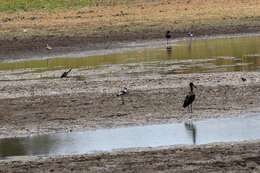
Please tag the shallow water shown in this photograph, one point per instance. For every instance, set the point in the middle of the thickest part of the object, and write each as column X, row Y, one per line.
column 242, row 128
column 220, row 54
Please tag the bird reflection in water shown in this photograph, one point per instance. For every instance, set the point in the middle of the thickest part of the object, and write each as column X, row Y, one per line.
column 190, row 35
column 191, row 128
column 189, row 46
column 169, row 51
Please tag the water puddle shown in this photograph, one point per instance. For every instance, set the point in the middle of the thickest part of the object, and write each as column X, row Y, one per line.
column 205, row 55
column 199, row 132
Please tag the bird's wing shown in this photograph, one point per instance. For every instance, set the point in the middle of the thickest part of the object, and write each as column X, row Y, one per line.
column 64, row 74
column 120, row 93
column 192, row 98
column 186, row 101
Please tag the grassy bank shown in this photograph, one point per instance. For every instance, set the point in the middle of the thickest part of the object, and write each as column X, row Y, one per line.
column 29, row 5
column 171, row 14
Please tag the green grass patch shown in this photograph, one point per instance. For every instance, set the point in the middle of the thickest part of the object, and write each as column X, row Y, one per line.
column 29, row 5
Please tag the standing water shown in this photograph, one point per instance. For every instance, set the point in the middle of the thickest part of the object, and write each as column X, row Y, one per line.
column 207, row 55
column 199, row 132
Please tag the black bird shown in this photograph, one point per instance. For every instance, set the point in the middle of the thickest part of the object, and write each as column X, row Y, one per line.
column 121, row 94
column 189, row 98
column 243, row 79
column 65, row 74
column 168, row 36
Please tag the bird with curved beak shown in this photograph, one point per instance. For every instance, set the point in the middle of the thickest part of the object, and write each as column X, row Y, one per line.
column 189, row 98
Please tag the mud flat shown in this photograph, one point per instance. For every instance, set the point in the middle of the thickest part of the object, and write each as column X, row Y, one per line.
column 40, row 102
column 236, row 157
column 36, row 103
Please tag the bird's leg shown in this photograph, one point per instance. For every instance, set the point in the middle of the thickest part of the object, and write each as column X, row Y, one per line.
column 122, row 99
column 191, row 108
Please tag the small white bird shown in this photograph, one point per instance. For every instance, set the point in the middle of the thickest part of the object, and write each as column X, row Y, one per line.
column 25, row 30
column 121, row 93
column 48, row 47
column 190, row 34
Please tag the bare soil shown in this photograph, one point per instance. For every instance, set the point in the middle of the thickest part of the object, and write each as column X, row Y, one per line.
column 237, row 157
column 25, row 34
column 32, row 105
column 37, row 103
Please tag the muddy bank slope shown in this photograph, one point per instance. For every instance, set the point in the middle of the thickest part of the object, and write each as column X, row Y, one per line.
column 25, row 34
column 242, row 157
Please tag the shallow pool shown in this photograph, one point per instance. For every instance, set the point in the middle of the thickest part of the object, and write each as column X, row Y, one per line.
column 207, row 131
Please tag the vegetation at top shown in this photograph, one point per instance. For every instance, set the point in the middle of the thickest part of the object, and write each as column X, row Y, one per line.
column 29, row 5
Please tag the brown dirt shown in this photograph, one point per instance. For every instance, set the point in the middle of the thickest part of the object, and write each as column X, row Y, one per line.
column 243, row 157
column 37, row 106
column 25, row 34
column 50, row 105
column 32, row 105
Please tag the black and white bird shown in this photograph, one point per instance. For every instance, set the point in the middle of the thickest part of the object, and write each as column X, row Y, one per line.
column 168, row 36
column 122, row 93
column 189, row 98
column 65, row 74
column 190, row 34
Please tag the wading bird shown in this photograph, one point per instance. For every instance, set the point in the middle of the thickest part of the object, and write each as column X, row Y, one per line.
column 168, row 36
column 121, row 94
column 65, row 74
column 190, row 34
column 189, row 98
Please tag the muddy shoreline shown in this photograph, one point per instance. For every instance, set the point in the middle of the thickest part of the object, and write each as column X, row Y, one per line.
column 39, row 106
column 233, row 157
column 35, row 47
column 32, row 105
column 35, row 103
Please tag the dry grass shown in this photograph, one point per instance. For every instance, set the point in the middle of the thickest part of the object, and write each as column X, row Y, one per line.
column 177, row 15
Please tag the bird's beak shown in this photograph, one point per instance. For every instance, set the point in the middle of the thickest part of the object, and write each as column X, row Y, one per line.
column 194, row 86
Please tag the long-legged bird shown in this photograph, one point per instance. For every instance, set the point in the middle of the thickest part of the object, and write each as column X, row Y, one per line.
column 65, row 74
column 189, row 98
column 168, row 36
